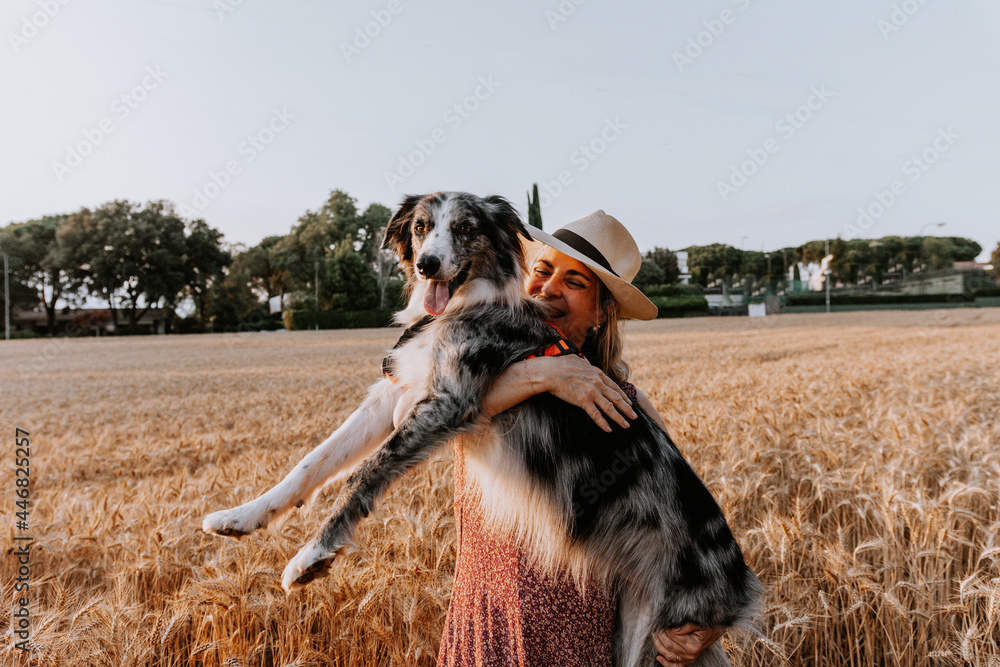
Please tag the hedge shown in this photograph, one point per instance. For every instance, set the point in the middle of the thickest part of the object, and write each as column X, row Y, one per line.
column 819, row 298
column 680, row 306
column 672, row 290
column 338, row 319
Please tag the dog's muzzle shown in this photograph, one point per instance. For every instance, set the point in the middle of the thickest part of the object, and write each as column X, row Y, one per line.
column 428, row 266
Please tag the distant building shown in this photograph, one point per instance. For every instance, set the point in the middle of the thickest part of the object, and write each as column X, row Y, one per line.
column 724, row 301
column 961, row 278
column 97, row 320
column 682, row 266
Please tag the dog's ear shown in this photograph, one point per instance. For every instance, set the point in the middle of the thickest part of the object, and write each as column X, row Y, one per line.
column 505, row 215
column 504, row 233
column 397, row 232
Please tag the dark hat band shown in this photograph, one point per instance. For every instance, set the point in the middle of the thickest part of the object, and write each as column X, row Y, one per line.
column 584, row 247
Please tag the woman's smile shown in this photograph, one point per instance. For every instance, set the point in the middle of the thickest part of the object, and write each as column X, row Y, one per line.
column 570, row 288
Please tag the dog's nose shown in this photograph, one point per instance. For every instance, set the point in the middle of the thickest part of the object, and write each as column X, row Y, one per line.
column 428, row 265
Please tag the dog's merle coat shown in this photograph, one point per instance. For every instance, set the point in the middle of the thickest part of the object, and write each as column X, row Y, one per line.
column 623, row 507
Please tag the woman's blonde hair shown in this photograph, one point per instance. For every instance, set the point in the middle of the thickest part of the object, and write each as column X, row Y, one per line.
column 606, row 347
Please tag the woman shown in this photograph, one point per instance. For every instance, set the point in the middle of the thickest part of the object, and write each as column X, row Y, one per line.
column 503, row 611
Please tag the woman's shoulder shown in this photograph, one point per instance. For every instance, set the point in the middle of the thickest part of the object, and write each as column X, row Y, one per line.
column 636, row 396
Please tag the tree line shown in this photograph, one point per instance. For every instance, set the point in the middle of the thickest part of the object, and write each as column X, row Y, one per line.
column 855, row 262
column 136, row 257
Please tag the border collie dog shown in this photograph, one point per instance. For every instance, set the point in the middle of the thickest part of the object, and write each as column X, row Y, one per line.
column 622, row 508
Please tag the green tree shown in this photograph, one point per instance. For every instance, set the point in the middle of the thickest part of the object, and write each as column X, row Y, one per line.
column 204, row 259
column 383, row 262
column 38, row 266
column 964, row 250
column 837, row 265
column 753, row 263
column 936, row 253
column 649, row 273
column 340, row 212
column 666, row 261
column 232, row 302
column 995, row 261
column 717, row 260
column 370, row 229
column 264, row 266
column 353, row 283
column 305, row 253
column 130, row 256
column 534, row 208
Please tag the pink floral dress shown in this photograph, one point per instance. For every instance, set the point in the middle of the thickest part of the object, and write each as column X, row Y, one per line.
column 505, row 613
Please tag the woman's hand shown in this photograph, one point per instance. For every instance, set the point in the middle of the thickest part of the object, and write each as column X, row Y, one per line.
column 578, row 382
column 681, row 646
column 570, row 378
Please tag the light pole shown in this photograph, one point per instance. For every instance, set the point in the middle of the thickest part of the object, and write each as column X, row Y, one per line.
column 827, row 276
column 931, row 224
column 875, row 245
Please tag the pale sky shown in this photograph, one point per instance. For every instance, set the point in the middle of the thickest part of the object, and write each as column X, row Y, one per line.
column 618, row 99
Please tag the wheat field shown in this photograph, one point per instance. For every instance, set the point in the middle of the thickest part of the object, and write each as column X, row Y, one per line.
column 857, row 457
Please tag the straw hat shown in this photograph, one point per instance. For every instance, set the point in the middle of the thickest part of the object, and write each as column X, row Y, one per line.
column 606, row 247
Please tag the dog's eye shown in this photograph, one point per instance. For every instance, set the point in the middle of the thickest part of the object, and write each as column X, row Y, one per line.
column 464, row 229
column 418, row 227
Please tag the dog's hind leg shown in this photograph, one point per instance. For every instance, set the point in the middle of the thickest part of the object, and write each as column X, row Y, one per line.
column 431, row 422
column 633, row 639
column 368, row 426
column 634, row 645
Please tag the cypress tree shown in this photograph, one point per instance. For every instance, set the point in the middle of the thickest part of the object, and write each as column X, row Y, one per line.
column 534, row 208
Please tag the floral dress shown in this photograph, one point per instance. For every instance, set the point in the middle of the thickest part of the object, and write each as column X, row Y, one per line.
column 503, row 612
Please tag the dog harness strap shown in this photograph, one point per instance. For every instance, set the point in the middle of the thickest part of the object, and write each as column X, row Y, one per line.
column 561, row 347
column 409, row 333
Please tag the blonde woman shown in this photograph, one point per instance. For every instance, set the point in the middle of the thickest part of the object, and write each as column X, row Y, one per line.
column 503, row 611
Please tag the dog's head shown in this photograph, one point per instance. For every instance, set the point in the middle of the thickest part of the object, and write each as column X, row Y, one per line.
column 450, row 239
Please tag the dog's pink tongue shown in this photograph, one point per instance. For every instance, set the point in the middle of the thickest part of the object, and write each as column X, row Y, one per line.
column 436, row 297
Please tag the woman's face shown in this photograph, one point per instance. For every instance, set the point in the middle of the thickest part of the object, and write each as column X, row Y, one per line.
column 570, row 288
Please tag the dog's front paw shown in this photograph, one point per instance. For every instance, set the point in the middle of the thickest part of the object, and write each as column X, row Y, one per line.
column 312, row 562
column 235, row 522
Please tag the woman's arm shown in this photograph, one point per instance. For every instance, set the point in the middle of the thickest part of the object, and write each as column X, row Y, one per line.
column 570, row 378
